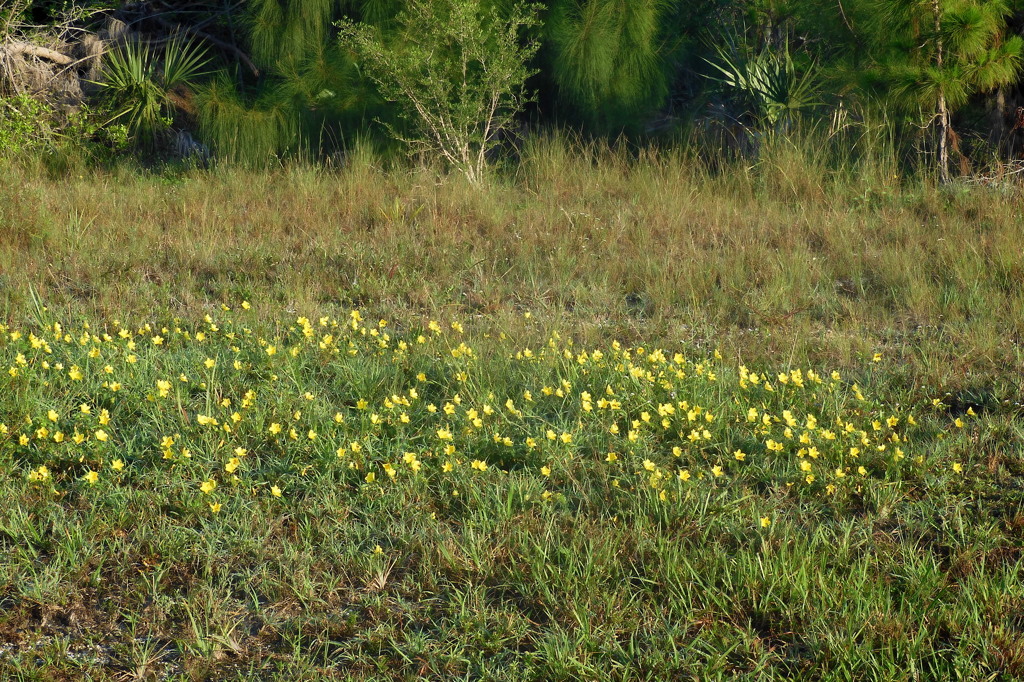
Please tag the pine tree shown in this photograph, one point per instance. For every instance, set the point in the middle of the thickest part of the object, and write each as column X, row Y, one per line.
column 609, row 60
column 931, row 56
column 307, row 89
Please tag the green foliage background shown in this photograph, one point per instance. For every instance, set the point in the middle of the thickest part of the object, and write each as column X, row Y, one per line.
column 607, row 68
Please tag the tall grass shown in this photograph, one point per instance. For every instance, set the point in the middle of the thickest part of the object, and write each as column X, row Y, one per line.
column 791, row 249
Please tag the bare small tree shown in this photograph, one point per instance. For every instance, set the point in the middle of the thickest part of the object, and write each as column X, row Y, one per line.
column 457, row 72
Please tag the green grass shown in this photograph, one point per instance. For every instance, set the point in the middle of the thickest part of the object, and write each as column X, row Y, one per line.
column 567, row 551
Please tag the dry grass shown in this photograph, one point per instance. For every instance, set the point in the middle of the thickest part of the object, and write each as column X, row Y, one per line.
column 788, row 257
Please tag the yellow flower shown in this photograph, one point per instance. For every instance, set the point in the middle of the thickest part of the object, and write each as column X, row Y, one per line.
column 684, row 475
column 52, row 416
column 117, row 465
column 91, row 477
column 275, row 428
column 275, row 491
column 765, row 522
column 611, row 457
column 371, row 477
column 545, row 470
column 958, row 468
column 479, row 465
column 739, row 455
column 101, row 435
column 40, row 474
column 717, row 471
column 208, row 486
column 215, row 507
column 210, row 363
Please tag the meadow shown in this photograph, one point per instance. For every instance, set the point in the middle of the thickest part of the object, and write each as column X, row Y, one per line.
column 611, row 416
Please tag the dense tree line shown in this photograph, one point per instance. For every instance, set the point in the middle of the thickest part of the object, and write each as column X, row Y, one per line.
column 279, row 77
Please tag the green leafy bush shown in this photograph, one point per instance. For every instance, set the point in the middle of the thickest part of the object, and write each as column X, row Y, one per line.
column 457, row 73
column 31, row 128
column 20, row 129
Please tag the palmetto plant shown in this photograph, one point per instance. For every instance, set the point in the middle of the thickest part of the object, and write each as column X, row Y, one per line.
column 138, row 82
column 768, row 82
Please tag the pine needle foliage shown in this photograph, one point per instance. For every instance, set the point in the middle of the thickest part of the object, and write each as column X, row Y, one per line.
column 308, row 93
column 608, row 58
column 978, row 54
column 931, row 56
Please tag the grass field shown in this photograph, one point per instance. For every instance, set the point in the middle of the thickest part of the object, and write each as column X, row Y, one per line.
column 606, row 418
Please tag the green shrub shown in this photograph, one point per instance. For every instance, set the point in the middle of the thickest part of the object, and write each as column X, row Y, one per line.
column 31, row 128
column 456, row 73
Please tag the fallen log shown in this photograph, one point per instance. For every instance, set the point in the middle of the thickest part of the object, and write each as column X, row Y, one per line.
column 27, row 49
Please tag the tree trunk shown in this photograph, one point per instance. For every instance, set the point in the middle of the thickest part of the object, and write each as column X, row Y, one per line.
column 943, row 111
column 943, row 140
